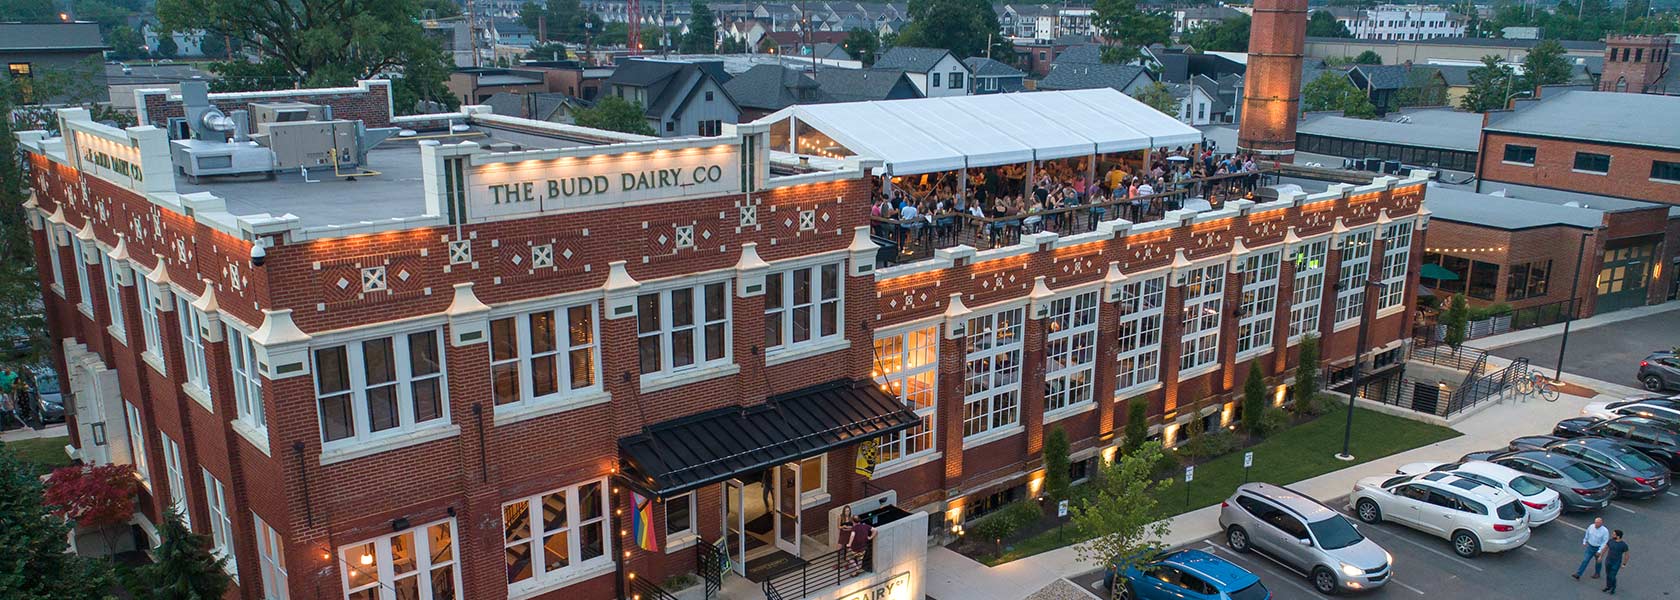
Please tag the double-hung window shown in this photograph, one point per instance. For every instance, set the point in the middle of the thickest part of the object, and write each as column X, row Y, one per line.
column 992, row 398
column 271, row 557
column 556, row 535
column 113, row 295
column 137, row 443
column 801, row 306
column 680, row 515
column 1397, row 253
column 247, row 380
column 379, row 387
column 192, row 342
column 414, row 564
column 1070, row 351
column 1259, row 302
column 542, row 356
column 84, row 290
column 148, row 294
column 683, row 328
column 907, row 366
column 1308, row 296
column 1204, row 302
column 177, row 482
column 1142, row 306
column 221, row 524
column 1356, row 271
column 58, row 267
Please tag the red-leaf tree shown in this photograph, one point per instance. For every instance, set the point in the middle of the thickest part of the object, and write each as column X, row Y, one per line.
column 93, row 497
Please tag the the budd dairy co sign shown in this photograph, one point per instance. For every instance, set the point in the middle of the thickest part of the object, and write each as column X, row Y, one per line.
column 897, row 588
column 505, row 188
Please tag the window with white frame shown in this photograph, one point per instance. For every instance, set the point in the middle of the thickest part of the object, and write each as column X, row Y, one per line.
column 271, row 557
column 1070, row 351
column 992, row 394
column 683, row 328
column 192, row 342
column 1259, row 302
column 555, row 535
column 137, row 442
column 680, row 513
column 1397, row 253
column 813, row 477
column 247, row 380
column 1307, row 299
column 221, row 523
column 53, row 254
column 85, row 291
column 1356, row 270
column 415, row 564
column 907, row 366
column 174, row 470
column 1204, row 300
column 543, row 356
column 1142, row 304
column 113, row 293
column 802, row 306
column 379, row 387
column 148, row 294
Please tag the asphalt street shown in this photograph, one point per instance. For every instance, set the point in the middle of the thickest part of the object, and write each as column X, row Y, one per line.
column 1609, row 352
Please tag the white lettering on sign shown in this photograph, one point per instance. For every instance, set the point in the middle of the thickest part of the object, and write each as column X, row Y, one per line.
column 569, row 184
column 1248, row 459
column 897, row 588
column 1189, row 473
column 111, row 160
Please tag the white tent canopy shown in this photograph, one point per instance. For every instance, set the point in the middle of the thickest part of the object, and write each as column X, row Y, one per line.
column 926, row 135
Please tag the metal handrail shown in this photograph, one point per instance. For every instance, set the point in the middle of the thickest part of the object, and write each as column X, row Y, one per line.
column 823, row 572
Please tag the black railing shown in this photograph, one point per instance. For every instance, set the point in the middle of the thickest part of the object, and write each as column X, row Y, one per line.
column 1404, row 392
column 1479, row 389
column 822, row 572
column 1542, row 315
column 642, row 589
column 1462, row 358
column 709, row 561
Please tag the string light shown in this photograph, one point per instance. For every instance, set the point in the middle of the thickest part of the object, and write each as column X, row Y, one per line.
column 1467, row 250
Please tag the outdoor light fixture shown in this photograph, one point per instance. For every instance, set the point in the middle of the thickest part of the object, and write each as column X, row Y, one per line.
column 367, row 558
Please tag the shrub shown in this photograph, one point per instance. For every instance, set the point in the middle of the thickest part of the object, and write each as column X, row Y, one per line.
column 1456, row 321
column 1306, row 373
column 1056, row 464
column 1211, row 444
column 1007, row 521
column 1137, row 424
column 1167, row 466
column 1254, row 400
column 1273, row 420
column 1490, row 311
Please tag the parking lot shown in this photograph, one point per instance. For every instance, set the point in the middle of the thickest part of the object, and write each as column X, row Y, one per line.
column 1609, row 353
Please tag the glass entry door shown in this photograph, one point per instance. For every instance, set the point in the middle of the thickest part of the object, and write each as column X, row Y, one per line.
column 735, row 525
column 788, row 526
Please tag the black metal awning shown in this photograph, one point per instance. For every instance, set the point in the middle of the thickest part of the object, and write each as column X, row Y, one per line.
column 682, row 454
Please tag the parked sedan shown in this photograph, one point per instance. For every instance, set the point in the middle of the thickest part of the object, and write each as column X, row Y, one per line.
column 1660, row 371
column 48, row 398
column 1474, row 516
column 1662, row 408
column 1579, row 486
column 1181, row 575
column 1543, row 503
column 1635, row 475
column 1657, row 439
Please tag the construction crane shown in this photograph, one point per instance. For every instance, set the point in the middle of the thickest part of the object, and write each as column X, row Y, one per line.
column 633, row 13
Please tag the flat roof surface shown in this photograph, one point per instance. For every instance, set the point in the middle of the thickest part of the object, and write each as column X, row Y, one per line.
column 329, row 200
column 1609, row 117
column 1564, row 197
column 1440, row 129
column 1504, row 212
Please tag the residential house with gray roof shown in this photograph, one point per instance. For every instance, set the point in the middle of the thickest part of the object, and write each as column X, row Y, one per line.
column 767, row 88
column 1086, row 76
column 993, row 77
column 858, row 85
column 679, row 98
column 934, row 71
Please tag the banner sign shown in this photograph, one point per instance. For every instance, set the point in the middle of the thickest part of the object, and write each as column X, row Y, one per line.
column 641, row 522
column 576, row 183
column 868, row 455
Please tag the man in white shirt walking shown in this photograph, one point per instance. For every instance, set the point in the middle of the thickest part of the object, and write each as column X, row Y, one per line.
column 1597, row 535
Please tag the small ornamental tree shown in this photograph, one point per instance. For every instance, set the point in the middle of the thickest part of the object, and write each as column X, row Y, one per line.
column 1306, row 374
column 1254, row 400
column 93, row 497
column 1137, row 425
column 1121, row 519
column 1457, row 321
column 184, row 568
column 1056, row 464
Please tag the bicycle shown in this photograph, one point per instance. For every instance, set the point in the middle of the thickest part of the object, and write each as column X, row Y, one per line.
column 1534, row 382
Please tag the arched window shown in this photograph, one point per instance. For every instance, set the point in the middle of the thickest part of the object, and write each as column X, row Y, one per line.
column 1621, row 84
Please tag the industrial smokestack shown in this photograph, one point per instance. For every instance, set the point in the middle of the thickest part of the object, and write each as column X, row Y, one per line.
column 1272, row 85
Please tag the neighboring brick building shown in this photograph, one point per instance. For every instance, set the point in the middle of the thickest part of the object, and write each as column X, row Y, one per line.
column 423, row 356
column 1598, row 143
column 1638, row 64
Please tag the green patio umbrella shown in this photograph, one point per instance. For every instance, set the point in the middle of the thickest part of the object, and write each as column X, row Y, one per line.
column 1437, row 272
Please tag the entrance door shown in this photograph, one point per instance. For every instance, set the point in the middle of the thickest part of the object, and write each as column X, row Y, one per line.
column 1624, row 277
column 735, row 525
column 788, row 526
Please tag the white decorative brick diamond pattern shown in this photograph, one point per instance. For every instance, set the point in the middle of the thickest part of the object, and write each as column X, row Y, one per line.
column 373, row 279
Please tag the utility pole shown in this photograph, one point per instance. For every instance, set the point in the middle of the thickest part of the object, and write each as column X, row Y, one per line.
column 472, row 30
column 1574, row 304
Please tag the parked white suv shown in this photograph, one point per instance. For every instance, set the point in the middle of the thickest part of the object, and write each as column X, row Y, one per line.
column 1474, row 516
column 1543, row 503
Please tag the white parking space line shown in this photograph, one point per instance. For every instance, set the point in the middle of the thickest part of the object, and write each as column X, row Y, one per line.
column 1573, row 526
column 1624, row 509
column 1530, row 548
column 1436, row 552
column 1403, row 584
column 1672, row 494
column 1288, row 576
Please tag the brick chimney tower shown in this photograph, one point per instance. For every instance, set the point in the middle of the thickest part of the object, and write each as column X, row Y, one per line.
column 1633, row 62
column 1272, row 85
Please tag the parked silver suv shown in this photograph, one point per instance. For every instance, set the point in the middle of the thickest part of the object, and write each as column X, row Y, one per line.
column 1305, row 536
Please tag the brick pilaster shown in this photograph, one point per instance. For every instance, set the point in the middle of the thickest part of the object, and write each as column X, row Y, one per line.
column 1032, row 386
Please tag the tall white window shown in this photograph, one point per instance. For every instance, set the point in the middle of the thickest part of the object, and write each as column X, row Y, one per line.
column 555, row 535
column 415, row 564
column 85, row 291
column 137, row 442
column 907, row 366
column 1356, row 270
column 1204, row 300
column 192, row 342
column 1070, row 351
column 380, row 387
column 1397, row 252
column 683, row 328
column 1308, row 296
column 271, row 556
column 992, row 398
column 543, row 356
column 247, row 380
column 221, row 523
column 113, row 294
column 148, row 294
column 177, row 479
column 1141, row 308
column 1259, row 302
column 801, row 306
column 53, row 253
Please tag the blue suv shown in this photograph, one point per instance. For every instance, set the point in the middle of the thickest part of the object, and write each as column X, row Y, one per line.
column 1184, row 575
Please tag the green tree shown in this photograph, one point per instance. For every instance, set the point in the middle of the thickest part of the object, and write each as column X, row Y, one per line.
column 439, row 9
column 1306, row 374
column 1324, row 24
column 564, row 20
column 38, row 564
column 1126, row 29
column 1490, row 86
column 1137, row 425
column 1056, row 464
column 126, row 43
column 1544, row 65
column 28, row 11
column 1332, row 91
column 732, row 45
column 702, row 30
column 213, row 46
column 862, row 44
column 20, row 289
column 1254, row 399
column 166, row 47
column 1158, row 97
column 1368, row 57
column 109, row 13
column 615, row 114
column 1230, row 35
column 182, row 569
column 550, row 51
column 1121, row 519
column 965, row 27
column 1457, row 321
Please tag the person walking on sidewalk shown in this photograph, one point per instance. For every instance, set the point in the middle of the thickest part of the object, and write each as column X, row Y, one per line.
column 1591, row 544
column 1615, row 557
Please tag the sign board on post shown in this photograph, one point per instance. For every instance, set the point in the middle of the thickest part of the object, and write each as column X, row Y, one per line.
column 1248, row 459
column 501, row 186
column 1189, row 473
column 1062, row 509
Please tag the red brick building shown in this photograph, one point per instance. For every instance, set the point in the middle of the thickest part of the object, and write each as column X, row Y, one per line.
column 459, row 373
column 1637, row 64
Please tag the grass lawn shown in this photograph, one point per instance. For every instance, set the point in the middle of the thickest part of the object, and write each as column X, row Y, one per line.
column 42, row 455
column 1301, row 452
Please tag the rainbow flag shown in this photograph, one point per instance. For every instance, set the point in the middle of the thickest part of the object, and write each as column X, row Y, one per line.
column 641, row 523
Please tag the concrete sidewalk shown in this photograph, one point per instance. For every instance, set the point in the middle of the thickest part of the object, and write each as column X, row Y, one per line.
column 1528, row 335
column 952, row 575
column 26, row 433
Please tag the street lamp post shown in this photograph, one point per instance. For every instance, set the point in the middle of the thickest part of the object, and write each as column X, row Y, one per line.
column 1574, row 287
column 1358, row 353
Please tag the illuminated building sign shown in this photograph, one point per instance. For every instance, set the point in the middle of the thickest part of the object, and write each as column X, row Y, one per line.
column 503, row 186
column 897, row 588
column 116, row 161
